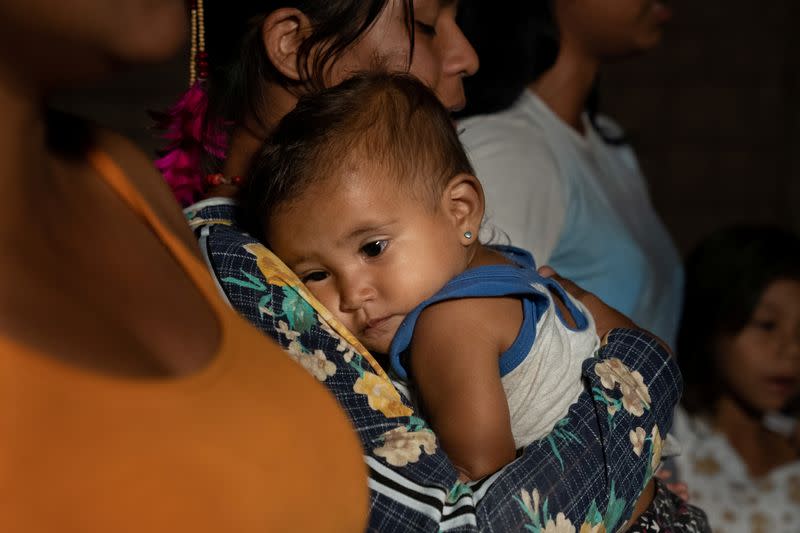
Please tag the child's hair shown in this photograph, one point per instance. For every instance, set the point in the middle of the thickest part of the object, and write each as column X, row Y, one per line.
column 387, row 124
column 725, row 278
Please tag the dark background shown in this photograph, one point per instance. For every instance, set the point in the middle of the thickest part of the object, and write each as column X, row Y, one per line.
column 713, row 113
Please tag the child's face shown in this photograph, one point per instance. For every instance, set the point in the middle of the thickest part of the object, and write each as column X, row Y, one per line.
column 761, row 363
column 368, row 252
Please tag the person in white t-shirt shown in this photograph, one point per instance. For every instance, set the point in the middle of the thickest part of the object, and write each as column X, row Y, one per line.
column 560, row 179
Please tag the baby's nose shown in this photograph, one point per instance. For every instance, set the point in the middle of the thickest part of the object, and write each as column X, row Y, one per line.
column 353, row 294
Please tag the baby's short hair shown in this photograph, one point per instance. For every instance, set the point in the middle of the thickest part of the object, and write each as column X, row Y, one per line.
column 391, row 123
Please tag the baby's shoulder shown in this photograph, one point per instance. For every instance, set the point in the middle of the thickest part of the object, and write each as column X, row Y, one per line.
column 493, row 322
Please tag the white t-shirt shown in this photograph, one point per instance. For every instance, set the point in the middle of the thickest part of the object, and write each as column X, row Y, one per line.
column 578, row 204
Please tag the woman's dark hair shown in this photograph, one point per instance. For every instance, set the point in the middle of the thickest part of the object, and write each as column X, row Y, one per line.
column 516, row 45
column 725, row 278
column 239, row 65
column 389, row 126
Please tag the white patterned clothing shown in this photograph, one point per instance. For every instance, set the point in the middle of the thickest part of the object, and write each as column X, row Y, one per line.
column 719, row 483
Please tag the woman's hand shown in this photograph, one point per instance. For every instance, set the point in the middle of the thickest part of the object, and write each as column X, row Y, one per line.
column 605, row 317
column 681, row 489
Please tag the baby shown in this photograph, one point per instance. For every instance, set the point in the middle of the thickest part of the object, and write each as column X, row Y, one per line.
column 366, row 193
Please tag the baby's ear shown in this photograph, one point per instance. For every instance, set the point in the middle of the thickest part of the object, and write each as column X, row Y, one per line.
column 282, row 33
column 463, row 201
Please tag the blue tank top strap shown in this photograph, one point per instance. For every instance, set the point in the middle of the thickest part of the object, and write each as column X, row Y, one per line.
column 485, row 281
column 518, row 255
column 524, row 258
column 491, row 281
column 581, row 322
column 520, row 349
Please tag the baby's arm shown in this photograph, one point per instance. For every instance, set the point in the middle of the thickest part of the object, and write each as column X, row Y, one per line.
column 455, row 364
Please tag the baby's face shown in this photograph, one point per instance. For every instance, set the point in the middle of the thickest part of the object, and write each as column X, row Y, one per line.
column 368, row 252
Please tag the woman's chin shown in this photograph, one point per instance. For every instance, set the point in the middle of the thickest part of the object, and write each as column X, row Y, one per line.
column 155, row 36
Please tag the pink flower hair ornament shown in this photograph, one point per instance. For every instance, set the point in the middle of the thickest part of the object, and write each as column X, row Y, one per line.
column 189, row 132
column 190, row 136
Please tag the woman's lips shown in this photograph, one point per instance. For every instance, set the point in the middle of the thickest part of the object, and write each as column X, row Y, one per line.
column 782, row 385
column 458, row 106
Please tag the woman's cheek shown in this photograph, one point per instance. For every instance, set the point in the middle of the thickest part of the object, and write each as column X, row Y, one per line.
column 425, row 65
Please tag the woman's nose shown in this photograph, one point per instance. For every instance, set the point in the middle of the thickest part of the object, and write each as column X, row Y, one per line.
column 459, row 57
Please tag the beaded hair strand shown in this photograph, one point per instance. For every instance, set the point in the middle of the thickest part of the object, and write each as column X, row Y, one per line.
column 198, row 59
column 187, row 130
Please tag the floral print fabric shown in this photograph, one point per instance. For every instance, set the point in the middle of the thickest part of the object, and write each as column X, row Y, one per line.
column 589, row 471
column 718, row 481
column 669, row 513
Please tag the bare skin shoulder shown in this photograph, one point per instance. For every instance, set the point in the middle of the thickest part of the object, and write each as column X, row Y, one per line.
column 456, row 348
column 123, row 293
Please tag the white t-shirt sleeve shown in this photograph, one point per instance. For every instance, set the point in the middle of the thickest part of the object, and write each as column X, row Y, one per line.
column 525, row 197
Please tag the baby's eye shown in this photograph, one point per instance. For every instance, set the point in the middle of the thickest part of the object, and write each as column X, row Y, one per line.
column 314, row 276
column 374, row 249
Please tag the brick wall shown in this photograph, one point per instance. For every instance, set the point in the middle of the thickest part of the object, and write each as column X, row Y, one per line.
column 714, row 115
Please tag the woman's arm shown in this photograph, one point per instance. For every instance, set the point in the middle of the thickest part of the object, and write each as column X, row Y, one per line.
column 605, row 317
